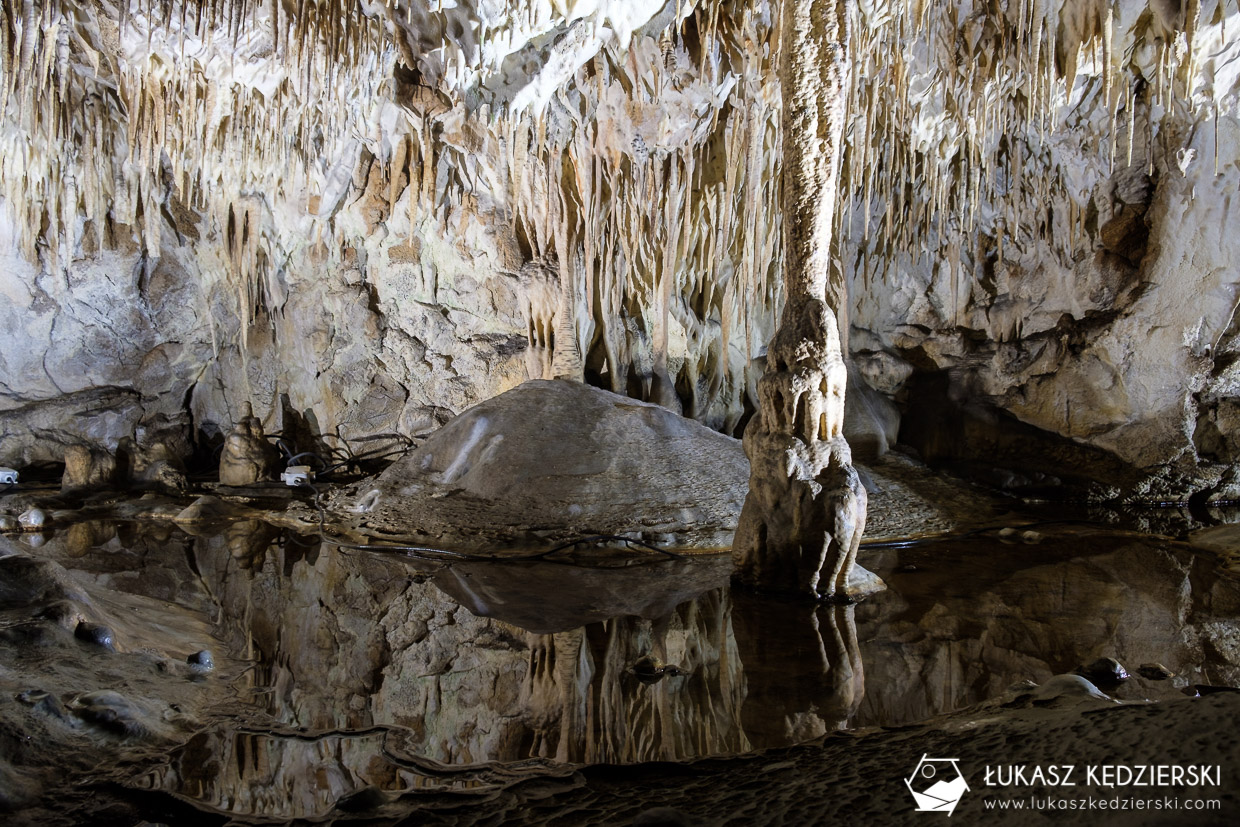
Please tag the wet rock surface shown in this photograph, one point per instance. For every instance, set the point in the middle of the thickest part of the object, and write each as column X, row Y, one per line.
column 350, row 682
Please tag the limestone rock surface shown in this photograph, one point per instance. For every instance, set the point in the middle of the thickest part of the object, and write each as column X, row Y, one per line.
column 554, row 458
column 1034, row 224
column 247, row 457
column 552, row 461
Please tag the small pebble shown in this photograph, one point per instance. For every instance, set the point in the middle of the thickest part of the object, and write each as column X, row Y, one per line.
column 7, row 523
column 649, row 669
column 1154, row 672
column 32, row 696
column 202, row 659
column 1067, row 686
column 33, row 519
column 1031, row 537
column 96, row 633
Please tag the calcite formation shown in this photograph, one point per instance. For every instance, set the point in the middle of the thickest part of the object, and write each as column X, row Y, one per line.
column 246, row 457
column 805, row 512
column 207, row 201
column 87, row 469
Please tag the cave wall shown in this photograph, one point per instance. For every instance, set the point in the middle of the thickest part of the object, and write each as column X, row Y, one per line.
column 371, row 216
column 374, row 220
column 1055, row 291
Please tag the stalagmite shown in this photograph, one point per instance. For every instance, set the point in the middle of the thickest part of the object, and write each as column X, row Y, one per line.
column 805, row 513
column 648, row 175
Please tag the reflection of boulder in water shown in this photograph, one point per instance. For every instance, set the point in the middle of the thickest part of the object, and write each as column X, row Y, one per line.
column 545, row 598
column 470, row 689
column 350, row 641
column 563, row 459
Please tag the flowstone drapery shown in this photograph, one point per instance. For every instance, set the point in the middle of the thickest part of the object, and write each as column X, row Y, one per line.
column 805, row 512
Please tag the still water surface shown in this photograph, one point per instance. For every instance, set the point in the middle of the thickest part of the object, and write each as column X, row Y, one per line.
column 346, row 678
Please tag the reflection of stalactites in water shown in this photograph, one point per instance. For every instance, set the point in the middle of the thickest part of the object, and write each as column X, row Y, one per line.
column 582, row 702
column 299, row 549
column 362, row 682
column 787, row 674
column 802, row 668
column 291, row 775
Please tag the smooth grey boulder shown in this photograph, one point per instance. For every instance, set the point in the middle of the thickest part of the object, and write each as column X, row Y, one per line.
column 560, row 459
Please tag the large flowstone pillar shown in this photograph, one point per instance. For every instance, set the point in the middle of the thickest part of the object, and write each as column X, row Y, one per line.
column 805, row 513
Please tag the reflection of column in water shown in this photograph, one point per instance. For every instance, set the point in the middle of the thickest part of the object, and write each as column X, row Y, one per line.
column 802, row 668
column 80, row 538
column 583, row 703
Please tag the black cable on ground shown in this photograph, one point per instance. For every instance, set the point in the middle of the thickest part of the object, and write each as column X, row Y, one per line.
column 612, row 538
column 359, row 458
column 292, row 460
column 279, row 440
column 372, row 437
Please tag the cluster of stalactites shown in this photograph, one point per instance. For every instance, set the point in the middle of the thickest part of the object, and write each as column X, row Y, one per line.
column 121, row 124
column 647, row 186
column 662, row 228
column 959, row 110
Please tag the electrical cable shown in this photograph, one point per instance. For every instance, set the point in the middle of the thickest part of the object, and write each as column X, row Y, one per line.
column 372, row 437
column 292, row 460
column 368, row 457
column 279, row 440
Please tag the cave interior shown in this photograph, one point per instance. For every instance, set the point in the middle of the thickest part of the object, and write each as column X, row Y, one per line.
column 646, row 412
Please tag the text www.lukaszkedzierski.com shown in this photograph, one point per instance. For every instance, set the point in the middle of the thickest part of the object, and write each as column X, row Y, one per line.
column 1166, row 803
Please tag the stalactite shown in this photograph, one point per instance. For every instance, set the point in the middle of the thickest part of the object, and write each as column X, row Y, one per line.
column 941, row 146
column 1132, row 123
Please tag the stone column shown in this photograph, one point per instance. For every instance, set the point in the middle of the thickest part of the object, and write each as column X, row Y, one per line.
column 805, row 513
